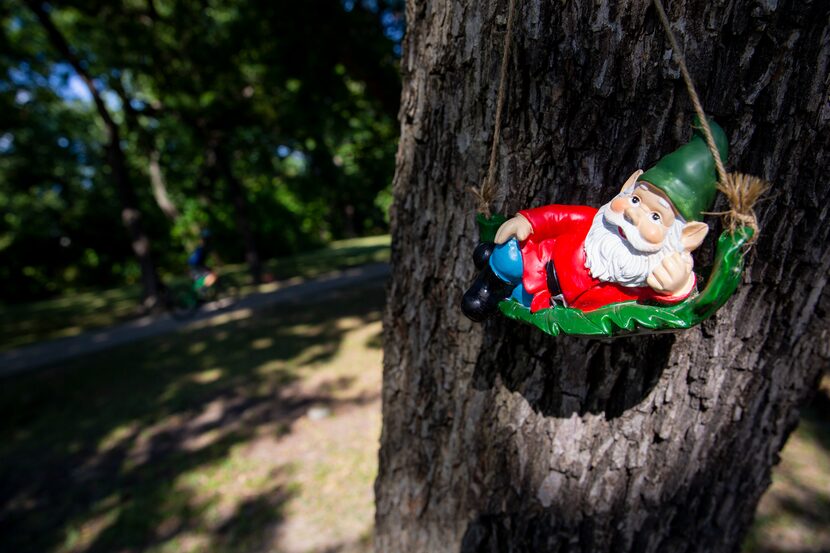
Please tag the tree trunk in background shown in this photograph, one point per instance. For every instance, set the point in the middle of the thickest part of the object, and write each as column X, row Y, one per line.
column 131, row 217
column 241, row 213
column 497, row 438
column 147, row 144
column 130, row 209
column 159, row 185
column 219, row 165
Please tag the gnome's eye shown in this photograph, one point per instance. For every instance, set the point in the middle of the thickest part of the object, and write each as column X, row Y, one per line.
column 655, row 217
column 635, row 200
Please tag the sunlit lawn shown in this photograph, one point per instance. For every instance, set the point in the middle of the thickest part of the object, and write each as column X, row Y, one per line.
column 74, row 313
column 794, row 514
column 255, row 435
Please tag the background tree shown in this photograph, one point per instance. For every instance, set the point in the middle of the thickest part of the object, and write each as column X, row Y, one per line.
column 233, row 117
column 60, row 221
column 131, row 213
column 499, row 438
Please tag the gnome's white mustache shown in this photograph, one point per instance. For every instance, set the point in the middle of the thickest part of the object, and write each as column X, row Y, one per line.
column 632, row 238
column 612, row 258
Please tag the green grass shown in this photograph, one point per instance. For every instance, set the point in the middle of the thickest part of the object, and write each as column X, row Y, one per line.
column 200, row 440
column 794, row 514
column 338, row 255
column 72, row 314
column 69, row 315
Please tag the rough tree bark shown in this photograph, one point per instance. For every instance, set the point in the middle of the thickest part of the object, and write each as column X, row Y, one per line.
column 497, row 438
column 130, row 209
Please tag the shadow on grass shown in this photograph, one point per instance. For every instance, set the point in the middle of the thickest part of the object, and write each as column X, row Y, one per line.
column 359, row 546
column 376, row 341
column 815, row 421
column 243, row 530
column 74, row 313
column 25, row 324
column 797, row 517
column 95, row 455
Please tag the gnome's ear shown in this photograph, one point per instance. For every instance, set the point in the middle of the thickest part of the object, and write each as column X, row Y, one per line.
column 631, row 180
column 693, row 234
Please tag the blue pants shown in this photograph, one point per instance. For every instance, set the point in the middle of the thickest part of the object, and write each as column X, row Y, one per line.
column 506, row 261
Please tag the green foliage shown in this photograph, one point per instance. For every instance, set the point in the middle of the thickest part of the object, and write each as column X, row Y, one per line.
column 296, row 101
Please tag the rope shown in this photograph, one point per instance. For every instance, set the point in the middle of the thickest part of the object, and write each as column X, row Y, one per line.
column 486, row 192
column 742, row 191
column 690, row 88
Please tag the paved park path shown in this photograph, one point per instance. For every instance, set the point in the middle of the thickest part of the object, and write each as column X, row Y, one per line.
column 61, row 349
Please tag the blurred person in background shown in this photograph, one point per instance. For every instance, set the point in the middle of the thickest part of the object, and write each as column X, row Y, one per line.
column 197, row 262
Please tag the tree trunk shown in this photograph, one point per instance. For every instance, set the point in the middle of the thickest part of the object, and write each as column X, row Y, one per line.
column 130, row 210
column 243, row 221
column 147, row 145
column 218, row 159
column 497, row 438
column 131, row 217
column 159, row 185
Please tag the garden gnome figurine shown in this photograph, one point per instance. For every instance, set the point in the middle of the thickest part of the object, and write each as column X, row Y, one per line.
column 637, row 247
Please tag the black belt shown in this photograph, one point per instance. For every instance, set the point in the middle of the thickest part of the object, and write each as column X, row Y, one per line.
column 553, row 281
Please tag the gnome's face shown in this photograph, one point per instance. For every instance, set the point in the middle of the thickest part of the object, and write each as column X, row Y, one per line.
column 643, row 215
column 632, row 233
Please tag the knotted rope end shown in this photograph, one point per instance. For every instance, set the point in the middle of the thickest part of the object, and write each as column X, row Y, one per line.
column 742, row 192
column 481, row 194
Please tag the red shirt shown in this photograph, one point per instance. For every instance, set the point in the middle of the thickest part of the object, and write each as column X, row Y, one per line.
column 559, row 233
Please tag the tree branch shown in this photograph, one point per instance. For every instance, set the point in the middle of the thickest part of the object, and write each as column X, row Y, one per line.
column 60, row 44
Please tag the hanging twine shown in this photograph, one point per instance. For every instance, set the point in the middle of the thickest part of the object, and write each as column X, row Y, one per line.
column 741, row 191
column 487, row 190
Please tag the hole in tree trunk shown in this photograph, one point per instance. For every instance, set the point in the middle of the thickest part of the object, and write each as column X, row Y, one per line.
column 562, row 376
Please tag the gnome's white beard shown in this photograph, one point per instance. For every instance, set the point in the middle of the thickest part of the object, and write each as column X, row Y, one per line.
column 629, row 262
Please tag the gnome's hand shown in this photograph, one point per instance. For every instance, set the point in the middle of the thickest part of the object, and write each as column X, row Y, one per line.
column 518, row 226
column 673, row 276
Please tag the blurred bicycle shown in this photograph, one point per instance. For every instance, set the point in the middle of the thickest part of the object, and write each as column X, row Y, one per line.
column 185, row 299
column 205, row 286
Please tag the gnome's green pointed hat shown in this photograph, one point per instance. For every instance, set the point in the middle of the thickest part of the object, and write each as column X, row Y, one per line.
column 687, row 175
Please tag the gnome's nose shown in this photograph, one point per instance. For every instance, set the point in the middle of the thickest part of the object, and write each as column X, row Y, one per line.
column 629, row 217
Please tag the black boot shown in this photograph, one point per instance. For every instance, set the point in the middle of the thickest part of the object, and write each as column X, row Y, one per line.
column 483, row 297
column 482, row 254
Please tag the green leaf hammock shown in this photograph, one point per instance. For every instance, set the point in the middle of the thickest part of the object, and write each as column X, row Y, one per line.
column 631, row 318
